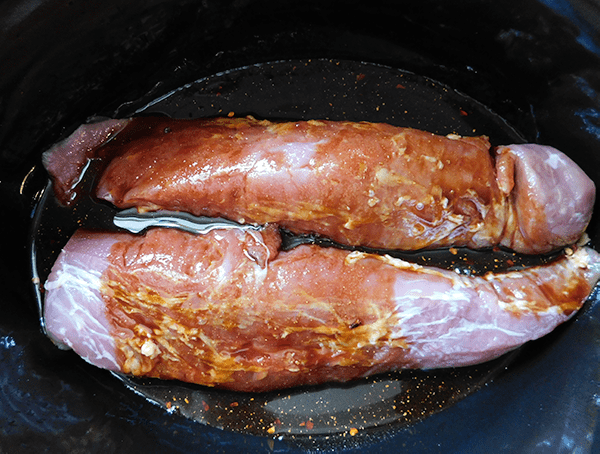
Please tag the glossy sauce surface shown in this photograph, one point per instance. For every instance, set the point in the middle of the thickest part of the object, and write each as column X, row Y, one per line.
column 356, row 183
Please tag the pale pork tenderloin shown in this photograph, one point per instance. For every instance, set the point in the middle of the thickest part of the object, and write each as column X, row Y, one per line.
column 229, row 309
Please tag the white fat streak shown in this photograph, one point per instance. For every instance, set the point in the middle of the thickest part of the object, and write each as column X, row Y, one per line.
column 260, row 273
column 457, row 332
column 73, row 280
column 448, row 333
column 74, row 277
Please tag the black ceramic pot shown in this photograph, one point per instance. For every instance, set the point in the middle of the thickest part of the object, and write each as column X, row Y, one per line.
column 516, row 70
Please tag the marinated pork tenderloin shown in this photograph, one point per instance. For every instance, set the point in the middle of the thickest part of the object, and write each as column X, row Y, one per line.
column 67, row 160
column 228, row 309
column 364, row 184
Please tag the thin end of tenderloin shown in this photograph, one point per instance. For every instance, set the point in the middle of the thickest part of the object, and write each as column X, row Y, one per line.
column 551, row 196
column 66, row 160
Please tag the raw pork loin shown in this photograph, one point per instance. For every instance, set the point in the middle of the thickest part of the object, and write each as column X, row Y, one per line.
column 229, row 309
column 364, row 184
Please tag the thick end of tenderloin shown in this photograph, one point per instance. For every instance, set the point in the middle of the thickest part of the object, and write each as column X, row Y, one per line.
column 74, row 310
column 66, row 160
column 551, row 197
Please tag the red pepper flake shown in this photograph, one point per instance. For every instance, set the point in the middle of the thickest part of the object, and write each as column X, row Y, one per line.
column 206, row 406
column 510, row 262
column 463, row 113
column 360, row 76
column 169, row 405
column 231, row 114
column 400, row 86
column 233, row 404
column 309, row 425
column 453, row 251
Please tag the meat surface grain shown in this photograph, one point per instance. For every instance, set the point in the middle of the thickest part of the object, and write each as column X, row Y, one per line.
column 360, row 184
column 229, row 309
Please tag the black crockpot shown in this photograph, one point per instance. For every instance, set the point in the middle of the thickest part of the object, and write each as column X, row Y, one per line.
column 533, row 66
